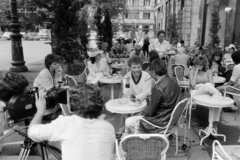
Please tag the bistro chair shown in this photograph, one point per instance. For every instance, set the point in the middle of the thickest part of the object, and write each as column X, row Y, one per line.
column 145, row 66
column 235, row 93
column 85, row 62
column 71, row 81
column 142, row 147
column 86, row 71
column 172, row 126
column 182, row 82
column 225, row 152
column 175, row 65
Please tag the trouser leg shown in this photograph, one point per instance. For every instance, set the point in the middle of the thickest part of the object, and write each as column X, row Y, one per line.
column 130, row 124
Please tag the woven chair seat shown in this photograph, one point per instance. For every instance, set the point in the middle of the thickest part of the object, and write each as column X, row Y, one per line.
column 140, row 149
column 233, row 151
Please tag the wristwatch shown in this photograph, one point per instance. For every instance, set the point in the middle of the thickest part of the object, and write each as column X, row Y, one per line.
column 127, row 85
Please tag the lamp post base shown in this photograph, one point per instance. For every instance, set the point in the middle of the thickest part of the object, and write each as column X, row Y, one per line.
column 18, row 68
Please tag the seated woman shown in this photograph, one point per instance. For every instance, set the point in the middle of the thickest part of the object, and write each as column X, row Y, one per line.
column 227, row 58
column 51, row 75
column 97, row 66
column 201, row 80
column 215, row 64
column 235, row 78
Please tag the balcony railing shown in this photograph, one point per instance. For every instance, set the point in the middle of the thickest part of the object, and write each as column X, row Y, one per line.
column 141, row 7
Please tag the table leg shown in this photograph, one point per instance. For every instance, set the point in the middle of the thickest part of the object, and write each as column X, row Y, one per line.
column 112, row 92
column 209, row 130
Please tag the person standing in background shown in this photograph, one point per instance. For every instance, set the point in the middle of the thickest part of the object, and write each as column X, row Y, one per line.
column 146, row 43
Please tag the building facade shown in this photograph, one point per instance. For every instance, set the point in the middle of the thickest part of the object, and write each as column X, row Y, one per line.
column 140, row 16
column 188, row 17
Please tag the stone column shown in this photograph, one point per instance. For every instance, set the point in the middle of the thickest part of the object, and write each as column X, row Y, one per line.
column 18, row 63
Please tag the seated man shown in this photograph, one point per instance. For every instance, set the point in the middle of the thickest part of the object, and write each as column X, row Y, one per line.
column 84, row 135
column 137, row 52
column 137, row 83
column 165, row 95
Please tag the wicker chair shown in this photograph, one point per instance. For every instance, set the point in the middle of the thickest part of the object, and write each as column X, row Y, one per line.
column 71, row 81
column 85, row 62
column 176, row 65
column 143, row 147
column 182, row 82
column 172, row 126
column 227, row 152
column 86, row 71
column 235, row 93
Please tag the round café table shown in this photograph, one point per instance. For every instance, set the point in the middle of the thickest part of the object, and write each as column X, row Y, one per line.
column 212, row 102
column 111, row 80
column 219, row 79
column 117, row 106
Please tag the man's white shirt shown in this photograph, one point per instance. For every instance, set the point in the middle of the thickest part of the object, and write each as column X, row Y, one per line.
column 160, row 47
column 80, row 138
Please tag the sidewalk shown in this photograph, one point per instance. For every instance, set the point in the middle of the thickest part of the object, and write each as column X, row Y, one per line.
column 194, row 152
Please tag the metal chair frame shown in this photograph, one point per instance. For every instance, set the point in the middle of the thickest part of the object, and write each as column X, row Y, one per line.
column 215, row 155
column 169, row 130
column 144, row 137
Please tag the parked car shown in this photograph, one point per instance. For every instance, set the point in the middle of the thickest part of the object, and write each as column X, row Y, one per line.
column 44, row 34
column 6, row 35
column 33, row 36
column 23, row 34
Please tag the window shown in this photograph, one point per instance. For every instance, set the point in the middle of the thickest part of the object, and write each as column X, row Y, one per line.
column 136, row 15
column 146, row 15
column 146, row 3
column 135, row 2
column 126, row 15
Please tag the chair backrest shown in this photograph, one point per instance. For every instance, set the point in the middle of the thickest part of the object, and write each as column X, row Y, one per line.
column 145, row 66
column 86, row 71
column 153, row 82
column 71, row 81
column 144, row 146
column 216, row 155
column 179, row 73
column 177, row 113
column 176, row 65
column 85, row 62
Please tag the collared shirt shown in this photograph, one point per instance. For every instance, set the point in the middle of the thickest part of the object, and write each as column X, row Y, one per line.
column 160, row 47
column 80, row 138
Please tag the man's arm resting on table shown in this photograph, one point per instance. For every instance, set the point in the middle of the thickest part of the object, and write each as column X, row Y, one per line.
column 156, row 99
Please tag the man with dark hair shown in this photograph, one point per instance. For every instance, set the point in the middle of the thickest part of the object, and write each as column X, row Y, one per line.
column 84, row 135
column 137, row 83
column 164, row 97
column 160, row 44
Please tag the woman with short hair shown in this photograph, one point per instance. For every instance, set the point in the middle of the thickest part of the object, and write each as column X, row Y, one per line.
column 51, row 75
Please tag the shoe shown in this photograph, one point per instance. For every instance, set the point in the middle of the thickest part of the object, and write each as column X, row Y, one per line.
column 234, row 107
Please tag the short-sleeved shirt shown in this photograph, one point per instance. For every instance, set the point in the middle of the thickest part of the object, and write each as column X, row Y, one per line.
column 80, row 138
column 236, row 76
column 160, row 47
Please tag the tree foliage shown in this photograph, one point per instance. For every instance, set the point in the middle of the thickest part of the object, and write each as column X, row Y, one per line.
column 107, row 12
column 172, row 27
column 214, row 28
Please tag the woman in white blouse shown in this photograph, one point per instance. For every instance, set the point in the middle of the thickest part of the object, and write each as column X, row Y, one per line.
column 97, row 66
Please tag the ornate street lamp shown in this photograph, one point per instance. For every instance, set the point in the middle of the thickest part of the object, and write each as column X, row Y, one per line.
column 18, row 63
